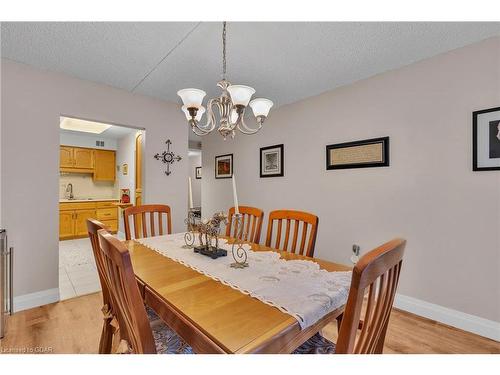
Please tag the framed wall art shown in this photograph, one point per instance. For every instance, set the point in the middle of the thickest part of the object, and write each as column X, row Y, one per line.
column 486, row 140
column 359, row 154
column 197, row 173
column 272, row 161
column 224, row 166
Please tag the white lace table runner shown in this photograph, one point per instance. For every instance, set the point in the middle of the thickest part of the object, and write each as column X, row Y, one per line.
column 296, row 287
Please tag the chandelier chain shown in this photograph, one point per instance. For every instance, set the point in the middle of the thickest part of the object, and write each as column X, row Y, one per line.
column 224, row 50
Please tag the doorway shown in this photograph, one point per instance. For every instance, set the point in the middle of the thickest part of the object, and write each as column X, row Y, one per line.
column 101, row 172
column 195, row 174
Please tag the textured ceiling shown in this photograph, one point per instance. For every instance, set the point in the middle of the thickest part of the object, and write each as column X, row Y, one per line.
column 285, row 62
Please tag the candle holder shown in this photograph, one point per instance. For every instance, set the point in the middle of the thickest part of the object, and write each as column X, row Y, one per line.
column 192, row 227
column 238, row 252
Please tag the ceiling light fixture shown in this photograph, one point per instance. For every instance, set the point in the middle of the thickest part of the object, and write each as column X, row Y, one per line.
column 78, row 125
column 231, row 105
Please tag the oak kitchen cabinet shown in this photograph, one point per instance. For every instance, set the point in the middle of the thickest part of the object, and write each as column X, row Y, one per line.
column 100, row 163
column 73, row 217
column 76, row 159
column 66, row 224
column 104, row 167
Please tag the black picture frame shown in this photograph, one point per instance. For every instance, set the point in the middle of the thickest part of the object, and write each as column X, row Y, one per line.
column 197, row 173
column 475, row 148
column 385, row 154
column 226, row 156
column 280, row 173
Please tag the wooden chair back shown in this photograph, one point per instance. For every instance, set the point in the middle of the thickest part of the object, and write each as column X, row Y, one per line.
column 302, row 241
column 252, row 224
column 93, row 226
column 375, row 275
column 135, row 332
column 143, row 225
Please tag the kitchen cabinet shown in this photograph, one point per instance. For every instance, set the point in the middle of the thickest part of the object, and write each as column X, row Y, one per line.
column 73, row 217
column 104, row 167
column 100, row 163
column 76, row 159
column 66, row 157
column 66, row 225
column 83, row 158
column 111, row 224
column 81, row 217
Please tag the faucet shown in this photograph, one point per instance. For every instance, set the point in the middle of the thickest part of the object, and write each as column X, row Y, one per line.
column 69, row 189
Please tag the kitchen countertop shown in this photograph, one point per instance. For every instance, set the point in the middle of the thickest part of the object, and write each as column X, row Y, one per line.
column 87, row 200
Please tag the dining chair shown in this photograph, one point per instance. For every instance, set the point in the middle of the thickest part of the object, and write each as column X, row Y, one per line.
column 144, row 227
column 93, row 226
column 307, row 221
column 136, row 333
column 108, row 329
column 376, row 275
column 252, row 224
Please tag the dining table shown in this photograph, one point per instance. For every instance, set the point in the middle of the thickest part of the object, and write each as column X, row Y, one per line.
column 216, row 318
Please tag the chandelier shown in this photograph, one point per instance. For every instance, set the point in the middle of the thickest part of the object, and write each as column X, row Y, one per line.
column 231, row 105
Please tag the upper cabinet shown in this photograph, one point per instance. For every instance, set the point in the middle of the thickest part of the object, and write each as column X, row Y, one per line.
column 83, row 158
column 66, row 157
column 100, row 163
column 104, row 167
column 76, row 159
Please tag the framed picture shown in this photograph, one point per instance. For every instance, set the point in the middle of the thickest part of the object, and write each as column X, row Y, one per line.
column 486, row 140
column 359, row 154
column 271, row 161
column 198, row 173
column 224, row 166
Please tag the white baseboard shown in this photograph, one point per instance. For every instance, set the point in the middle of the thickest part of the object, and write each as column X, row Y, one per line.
column 471, row 323
column 43, row 297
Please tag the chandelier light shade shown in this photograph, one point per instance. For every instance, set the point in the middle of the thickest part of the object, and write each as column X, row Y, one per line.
column 240, row 94
column 231, row 105
column 192, row 97
column 261, row 107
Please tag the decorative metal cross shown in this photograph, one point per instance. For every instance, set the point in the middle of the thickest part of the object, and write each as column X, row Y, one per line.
column 168, row 157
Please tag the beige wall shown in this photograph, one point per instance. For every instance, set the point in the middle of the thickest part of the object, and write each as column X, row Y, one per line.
column 32, row 101
column 429, row 195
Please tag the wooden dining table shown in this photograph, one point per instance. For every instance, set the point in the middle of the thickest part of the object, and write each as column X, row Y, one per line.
column 215, row 318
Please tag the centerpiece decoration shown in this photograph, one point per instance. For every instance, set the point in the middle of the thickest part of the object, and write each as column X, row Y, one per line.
column 208, row 232
column 208, row 236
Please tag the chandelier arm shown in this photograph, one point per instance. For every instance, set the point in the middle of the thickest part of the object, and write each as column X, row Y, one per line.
column 210, row 124
column 242, row 127
column 198, row 132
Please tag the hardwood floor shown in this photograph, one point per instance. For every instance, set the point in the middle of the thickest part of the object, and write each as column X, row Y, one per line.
column 74, row 326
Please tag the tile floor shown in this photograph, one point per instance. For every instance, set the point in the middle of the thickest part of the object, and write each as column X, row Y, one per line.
column 77, row 269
